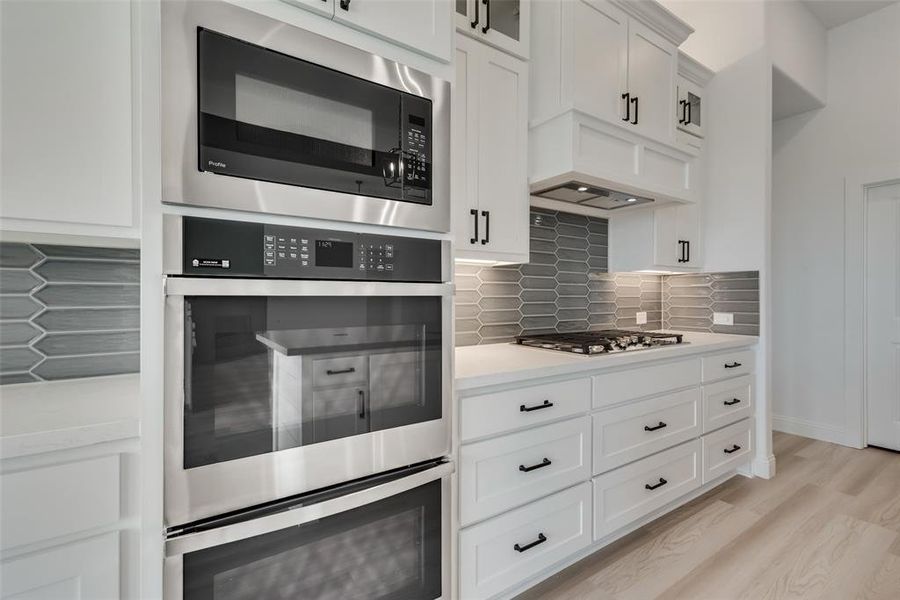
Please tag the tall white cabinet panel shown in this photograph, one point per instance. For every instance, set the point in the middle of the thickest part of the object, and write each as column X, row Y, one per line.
column 66, row 160
column 599, row 70
column 422, row 25
column 651, row 81
column 490, row 193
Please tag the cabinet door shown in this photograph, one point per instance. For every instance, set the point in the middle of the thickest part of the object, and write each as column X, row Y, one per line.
column 425, row 26
column 652, row 64
column 689, row 109
column 667, row 250
column 83, row 569
column 505, row 24
column 600, row 58
column 502, row 155
column 322, row 7
column 464, row 149
column 688, row 226
column 66, row 151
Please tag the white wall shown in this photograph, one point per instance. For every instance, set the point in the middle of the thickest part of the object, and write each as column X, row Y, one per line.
column 859, row 128
column 797, row 44
column 725, row 30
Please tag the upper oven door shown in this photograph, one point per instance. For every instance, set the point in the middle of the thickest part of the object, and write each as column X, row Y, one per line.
column 278, row 387
column 273, row 117
column 261, row 116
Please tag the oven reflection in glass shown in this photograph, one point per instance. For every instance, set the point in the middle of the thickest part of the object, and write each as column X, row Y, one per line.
column 271, row 373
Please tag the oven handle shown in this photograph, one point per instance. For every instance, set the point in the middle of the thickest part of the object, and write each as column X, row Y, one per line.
column 193, row 542
column 210, row 286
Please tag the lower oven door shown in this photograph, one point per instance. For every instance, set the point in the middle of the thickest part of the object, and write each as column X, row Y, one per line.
column 390, row 540
column 276, row 388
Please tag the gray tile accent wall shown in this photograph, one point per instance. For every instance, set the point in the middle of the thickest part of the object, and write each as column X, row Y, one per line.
column 565, row 287
column 689, row 301
column 68, row 311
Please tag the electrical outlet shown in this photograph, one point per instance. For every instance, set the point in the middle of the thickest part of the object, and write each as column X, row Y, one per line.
column 641, row 318
column 723, row 318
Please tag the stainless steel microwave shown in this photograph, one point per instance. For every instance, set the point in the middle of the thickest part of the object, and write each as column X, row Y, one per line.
column 261, row 116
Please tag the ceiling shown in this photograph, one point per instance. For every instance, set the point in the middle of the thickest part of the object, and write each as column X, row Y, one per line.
column 837, row 12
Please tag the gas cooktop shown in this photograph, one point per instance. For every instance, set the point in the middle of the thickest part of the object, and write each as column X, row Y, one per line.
column 600, row 342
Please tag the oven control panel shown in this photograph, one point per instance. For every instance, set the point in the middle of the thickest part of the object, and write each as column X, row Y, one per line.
column 234, row 249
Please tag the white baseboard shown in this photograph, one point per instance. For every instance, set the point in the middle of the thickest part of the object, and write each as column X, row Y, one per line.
column 763, row 466
column 817, row 431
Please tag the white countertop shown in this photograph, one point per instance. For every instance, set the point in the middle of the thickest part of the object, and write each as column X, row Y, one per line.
column 497, row 364
column 56, row 415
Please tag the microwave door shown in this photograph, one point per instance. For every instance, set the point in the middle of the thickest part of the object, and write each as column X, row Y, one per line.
column 269, row 116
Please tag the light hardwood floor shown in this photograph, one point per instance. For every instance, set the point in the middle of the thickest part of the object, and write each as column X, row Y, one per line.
column 826, row 527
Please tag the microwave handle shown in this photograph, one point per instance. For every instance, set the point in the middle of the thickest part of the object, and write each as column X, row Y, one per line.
column 193, row 542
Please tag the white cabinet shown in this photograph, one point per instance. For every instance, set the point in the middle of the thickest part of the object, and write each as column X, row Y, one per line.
column 489, row 154
column 666, row 238
column 505, row 24
column 425, row 26
column 651, row 82
column 68, row 154
column 727, row 449
column 692, row 78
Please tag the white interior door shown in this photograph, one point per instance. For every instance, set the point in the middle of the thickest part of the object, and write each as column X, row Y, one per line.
column 883, row 315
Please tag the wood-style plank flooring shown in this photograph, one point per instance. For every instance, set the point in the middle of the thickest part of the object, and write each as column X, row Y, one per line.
column 826, row 527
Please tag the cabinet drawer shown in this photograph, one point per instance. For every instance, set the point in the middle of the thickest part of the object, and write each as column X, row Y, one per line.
column 727, row 449
column 340, row 371
column 498, row 474
column 728, row 364
column 618, row 386
column 726, row 402
column 504, row 551
column 48, row 502
column 509, row 410
column 627, row 433
column 633, row 491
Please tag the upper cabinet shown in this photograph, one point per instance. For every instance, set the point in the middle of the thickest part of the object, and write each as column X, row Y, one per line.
column 651, row 82
column 69, row 156
column 505, row 24
column 489, row 157
column 692, row 78
column 424, row 26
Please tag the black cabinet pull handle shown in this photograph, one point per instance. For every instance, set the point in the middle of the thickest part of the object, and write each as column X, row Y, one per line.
column 487, row 227
column 361, row 402
column 655, row 427
column 636, row 109
column 734, row 448
column 733, row 365
column 661, row 483
column 487, row 16
column 687, row 244
column 474, row 213
column 731, row 402
column 681, row 246
column 345, row 4
column 683, row 104
column 690, row 115
column 544, row 463
column 541, row 539
column 546, row 404
column 627, row 98
column 474, row 23
column 340, row 371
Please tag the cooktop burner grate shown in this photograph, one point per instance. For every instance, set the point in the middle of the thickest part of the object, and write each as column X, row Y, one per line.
column 600, row 342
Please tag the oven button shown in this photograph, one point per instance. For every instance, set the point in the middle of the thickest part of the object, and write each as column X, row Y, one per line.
column 294, row 255
column 281, row 255
column 381, row 267
column 270, row 238
column 304, row 256
column 270, row 254
column 389, row 267
column 304, row 262
column 270, row 261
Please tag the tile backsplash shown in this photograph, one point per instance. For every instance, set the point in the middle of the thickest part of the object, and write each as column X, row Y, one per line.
column 68, row 311
column 566, row 287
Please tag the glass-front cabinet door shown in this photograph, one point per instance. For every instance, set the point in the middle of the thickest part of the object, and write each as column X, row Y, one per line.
column 501, row 23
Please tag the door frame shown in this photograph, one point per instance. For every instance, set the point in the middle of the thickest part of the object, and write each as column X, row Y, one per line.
column 856, row 185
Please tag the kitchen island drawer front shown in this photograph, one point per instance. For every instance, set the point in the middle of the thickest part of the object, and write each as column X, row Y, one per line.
column 633, row 431
column 490, row 414
column 340, row 371
column 504, row 551
column 726, row 402
column 59, row 500
column 508, row 471
column 728, row 364
column 727, row 449
column 619, row 386
column 633, row 491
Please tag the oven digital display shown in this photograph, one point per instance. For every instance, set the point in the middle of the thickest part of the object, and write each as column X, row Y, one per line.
column 334, row 254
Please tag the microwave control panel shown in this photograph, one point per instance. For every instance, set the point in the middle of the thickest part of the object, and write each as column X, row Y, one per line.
column 416, row 143
column 236, row 249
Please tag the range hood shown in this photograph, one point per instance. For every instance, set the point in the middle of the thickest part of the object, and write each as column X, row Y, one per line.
column 584, row 194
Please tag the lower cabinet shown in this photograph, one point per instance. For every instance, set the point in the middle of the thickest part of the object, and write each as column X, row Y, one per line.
column 727, row 449
column 499, row 553
column 627, row 494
